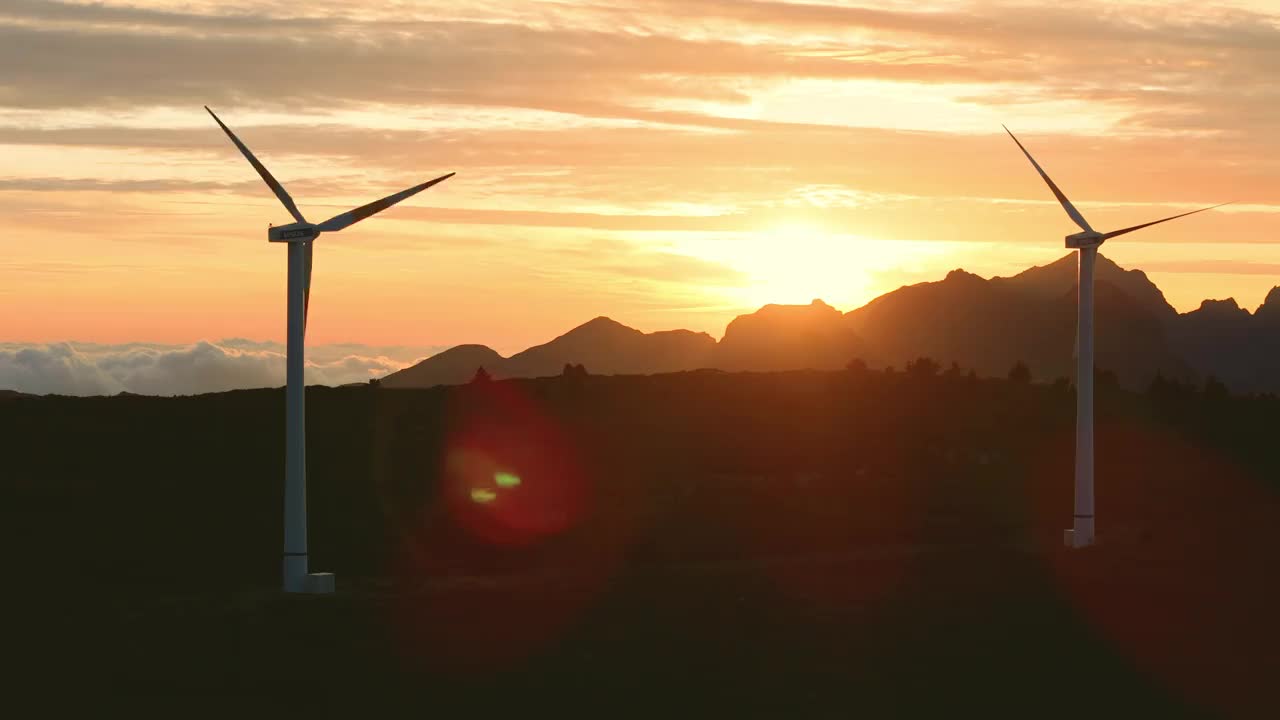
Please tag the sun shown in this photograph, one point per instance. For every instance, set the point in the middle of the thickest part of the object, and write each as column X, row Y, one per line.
column 794, row 263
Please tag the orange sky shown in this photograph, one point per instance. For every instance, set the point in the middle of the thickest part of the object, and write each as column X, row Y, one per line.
column 669, row 163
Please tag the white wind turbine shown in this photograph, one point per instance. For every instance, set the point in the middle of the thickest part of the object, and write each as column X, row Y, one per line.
column 1087, row 242
column 299, row 236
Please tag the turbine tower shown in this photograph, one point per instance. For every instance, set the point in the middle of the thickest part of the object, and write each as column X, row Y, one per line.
column 1082, row 532
column 299, row 236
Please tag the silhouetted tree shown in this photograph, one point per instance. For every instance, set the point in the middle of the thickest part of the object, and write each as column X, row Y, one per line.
column 856, row 365
column 481, row 376
column 573, row 372
column 923, row 367
column 1159, row 385
column 954, row 371
column 1020, row 373
column 1214, row 389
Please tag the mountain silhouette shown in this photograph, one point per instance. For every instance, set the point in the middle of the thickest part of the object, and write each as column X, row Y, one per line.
column 1240, row 348
column 1268, row 313
column 962, row 318
column 602, row 345
column 608, row 347
column 989, row 325
column 1060, row 277
column 986, row 325
column 451, row 367
column 786, row 337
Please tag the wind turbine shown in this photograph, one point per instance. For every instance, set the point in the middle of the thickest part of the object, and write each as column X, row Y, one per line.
column 299, row 236
column 1082, row 532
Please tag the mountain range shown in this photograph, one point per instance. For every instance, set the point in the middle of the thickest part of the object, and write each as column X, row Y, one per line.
column 984, row 325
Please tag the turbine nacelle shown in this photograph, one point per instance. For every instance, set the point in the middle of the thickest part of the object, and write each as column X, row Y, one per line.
column 1087, row 239
column 293, row 232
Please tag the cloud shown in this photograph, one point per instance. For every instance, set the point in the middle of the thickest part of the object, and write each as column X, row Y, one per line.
column 1176, row 69
column 1212, row 267
column 148, row 369
column 61, row 185
column 413, row 62
column 626, row 260
column 1158, row 73
column 55, row 368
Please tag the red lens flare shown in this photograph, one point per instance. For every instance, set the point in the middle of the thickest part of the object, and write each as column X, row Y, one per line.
column 511, row 477
column 1181, row 582
column 504, row 546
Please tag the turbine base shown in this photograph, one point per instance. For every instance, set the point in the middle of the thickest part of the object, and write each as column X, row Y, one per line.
column 311, row 584
column 297, row 579
column 321, row 583
column 1076, row 538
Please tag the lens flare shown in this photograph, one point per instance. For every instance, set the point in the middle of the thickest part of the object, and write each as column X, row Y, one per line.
column 1173, row 585
column 499, row 524
column 482, row 495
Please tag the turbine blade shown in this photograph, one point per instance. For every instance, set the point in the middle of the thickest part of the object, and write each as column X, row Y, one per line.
column 275, row 186
column 306, row 288
column 1114, row 233
column 1066, row 204
column 351, row 217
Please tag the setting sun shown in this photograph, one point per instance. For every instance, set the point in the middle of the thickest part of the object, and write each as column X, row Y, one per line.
column 794, row 263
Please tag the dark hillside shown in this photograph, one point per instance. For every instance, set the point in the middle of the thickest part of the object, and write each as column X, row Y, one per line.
column 814, row 540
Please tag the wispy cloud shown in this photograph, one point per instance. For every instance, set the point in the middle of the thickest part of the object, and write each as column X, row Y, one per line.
column 1214, row 267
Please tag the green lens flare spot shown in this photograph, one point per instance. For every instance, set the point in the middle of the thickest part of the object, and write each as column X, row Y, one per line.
column 506, row 479
column 483, row 495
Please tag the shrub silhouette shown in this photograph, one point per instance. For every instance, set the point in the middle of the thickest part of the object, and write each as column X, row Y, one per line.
column 1214, row 389
column 923, row 367
column 1020, row 373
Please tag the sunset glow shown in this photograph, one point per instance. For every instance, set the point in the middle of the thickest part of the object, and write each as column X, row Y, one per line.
column 668, row 164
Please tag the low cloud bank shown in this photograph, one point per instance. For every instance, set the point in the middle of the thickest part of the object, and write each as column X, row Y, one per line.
column 70, row 368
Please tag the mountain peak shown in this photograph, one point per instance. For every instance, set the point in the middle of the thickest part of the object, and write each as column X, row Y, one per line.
column 1269, row 310
column 1219, row 306
column 1272, row 299
column 450, row 367
column 1061, row 276
column 816, row 308
column 960, row 275
column 781, row 337
column 601, row 326
column 608, row 347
